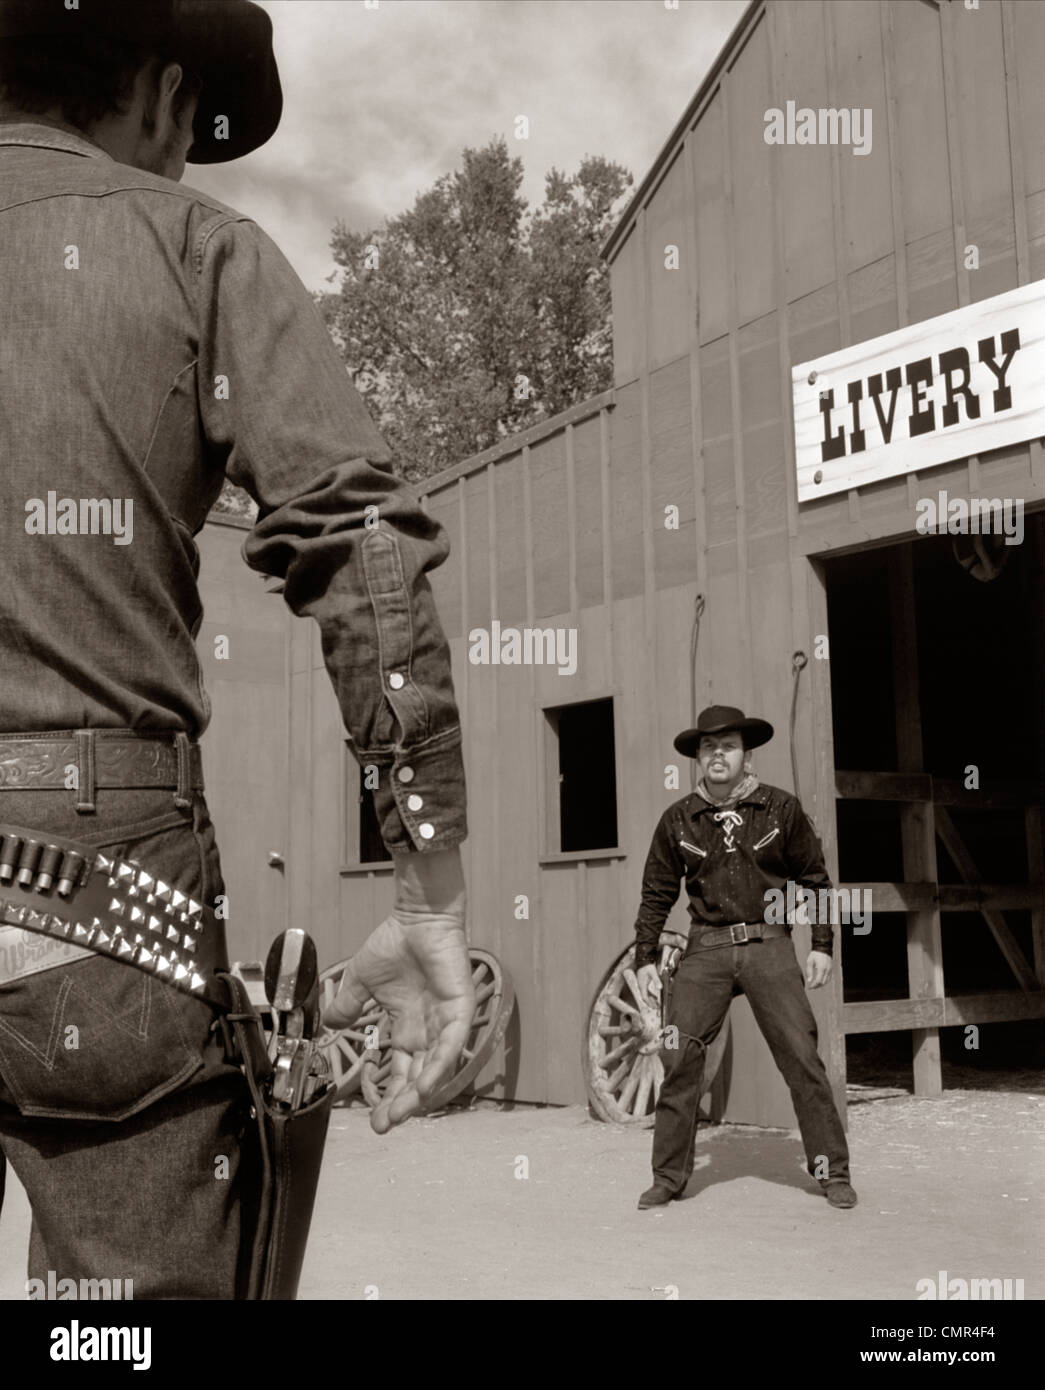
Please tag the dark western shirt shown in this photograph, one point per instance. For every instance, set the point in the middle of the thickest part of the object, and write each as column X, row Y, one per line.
column 729, row 860
column 153, row 341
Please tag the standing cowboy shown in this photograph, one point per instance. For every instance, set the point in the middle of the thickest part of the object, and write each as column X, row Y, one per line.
column 733, row 841
column 154, row 341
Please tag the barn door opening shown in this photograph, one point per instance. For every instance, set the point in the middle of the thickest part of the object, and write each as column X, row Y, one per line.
column 938, row 706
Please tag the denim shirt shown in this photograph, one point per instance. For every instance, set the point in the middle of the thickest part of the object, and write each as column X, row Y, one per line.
column 729, row 862
column 153, row 341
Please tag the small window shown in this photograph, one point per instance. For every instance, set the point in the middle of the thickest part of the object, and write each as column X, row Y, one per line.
column 363, row 831
column 583, row 764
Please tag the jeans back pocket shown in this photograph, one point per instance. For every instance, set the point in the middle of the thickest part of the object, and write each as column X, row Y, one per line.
column 97, row 1039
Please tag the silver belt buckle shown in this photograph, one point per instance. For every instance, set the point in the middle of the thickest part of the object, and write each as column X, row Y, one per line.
column 738, row 940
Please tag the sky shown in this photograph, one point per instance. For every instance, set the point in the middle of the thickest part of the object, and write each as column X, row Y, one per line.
column 380, row 102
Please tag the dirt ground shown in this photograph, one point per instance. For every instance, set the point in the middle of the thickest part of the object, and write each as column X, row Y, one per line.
column 436, row 1209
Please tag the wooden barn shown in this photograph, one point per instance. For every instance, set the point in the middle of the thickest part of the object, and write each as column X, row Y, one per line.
column 721, row 527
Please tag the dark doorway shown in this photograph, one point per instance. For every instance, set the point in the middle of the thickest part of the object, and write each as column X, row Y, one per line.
column 981, row 702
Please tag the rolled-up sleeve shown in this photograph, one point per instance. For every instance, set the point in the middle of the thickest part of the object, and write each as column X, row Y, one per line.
column 347, row 537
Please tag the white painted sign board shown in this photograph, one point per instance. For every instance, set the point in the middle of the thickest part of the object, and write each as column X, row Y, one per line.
column 945, row 388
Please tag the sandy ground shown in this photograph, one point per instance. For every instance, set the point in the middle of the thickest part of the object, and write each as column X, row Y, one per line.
column 436, row 1209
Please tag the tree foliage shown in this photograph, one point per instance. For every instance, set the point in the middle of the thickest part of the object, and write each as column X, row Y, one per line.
column 467, row 318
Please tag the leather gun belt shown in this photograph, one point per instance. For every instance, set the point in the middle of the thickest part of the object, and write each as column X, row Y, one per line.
column 68, row 891
column 738, row 934
column 101, row 758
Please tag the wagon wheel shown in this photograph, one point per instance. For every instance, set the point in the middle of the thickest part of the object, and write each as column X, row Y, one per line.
column 622, row 1062
column 494, row 1000
column 346, row 1048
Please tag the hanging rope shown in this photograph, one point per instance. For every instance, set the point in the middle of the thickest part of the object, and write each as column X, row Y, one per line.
column 799, row 661
column 698, row 613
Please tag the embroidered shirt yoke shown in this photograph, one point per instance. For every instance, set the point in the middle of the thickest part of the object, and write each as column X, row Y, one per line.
column 729, row 858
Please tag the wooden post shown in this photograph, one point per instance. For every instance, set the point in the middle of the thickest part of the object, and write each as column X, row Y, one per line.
column 821, row 805
column 917, row 823
column 1036, row 871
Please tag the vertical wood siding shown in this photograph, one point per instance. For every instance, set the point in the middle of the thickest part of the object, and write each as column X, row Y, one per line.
column 786, row 252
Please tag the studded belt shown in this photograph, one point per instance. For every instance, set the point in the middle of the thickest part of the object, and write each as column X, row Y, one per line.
column 85, row 759
column 68, row 891
column 738, row 934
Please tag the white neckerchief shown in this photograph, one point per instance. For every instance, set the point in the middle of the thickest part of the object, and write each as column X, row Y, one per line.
column 725, row 815
column 744, row 787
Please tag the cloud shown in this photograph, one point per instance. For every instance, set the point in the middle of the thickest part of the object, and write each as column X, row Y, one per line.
column 378, row 104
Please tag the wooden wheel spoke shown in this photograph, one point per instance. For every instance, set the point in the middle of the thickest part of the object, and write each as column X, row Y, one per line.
column 642, row 1093
column 612, row 1082
column 629, row 1045
column 628, row 1090
column 623, row 1068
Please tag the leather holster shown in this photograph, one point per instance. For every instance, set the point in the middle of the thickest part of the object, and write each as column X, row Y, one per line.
column 291, row 1155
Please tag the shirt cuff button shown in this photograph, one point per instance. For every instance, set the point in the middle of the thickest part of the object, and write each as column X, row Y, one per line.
column 414, row 802
column 405, row 774
column 426, row 831
column 396, row 680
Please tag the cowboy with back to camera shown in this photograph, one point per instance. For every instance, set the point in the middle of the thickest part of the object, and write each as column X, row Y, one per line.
column 154, row 342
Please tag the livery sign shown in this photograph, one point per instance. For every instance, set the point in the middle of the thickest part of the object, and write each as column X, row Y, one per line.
column 940, row 390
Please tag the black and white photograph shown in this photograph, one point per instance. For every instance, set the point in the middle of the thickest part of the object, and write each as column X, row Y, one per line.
column 522, row 672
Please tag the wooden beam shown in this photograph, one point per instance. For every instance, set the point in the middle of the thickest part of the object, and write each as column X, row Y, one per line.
column 884, row 786
column 899, row 1015
column 949, row 897
column 1010, row 795
column 896, row 897
column 1036, row 870
column 924, row 942
column 906, row 786
column 966, row 866
column 973, row 897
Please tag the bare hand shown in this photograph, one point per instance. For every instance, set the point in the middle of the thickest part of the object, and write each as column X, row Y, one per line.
column 416, row 966
column 818, row 969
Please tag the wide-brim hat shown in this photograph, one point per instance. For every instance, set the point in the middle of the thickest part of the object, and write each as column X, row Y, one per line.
column 723, row 719
column 226, row 43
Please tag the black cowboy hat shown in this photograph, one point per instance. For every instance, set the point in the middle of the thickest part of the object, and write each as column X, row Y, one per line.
column 723, row 719
column 226, row 43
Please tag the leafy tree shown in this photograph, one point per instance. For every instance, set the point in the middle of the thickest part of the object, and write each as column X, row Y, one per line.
column 235, row 503
column 466, row 319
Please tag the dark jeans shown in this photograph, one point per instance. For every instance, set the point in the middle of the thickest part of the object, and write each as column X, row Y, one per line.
column 706, row 980
column 125, row 1124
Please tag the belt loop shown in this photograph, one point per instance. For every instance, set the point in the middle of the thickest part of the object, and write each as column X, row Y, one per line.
column 85, row 770
column 183, row 796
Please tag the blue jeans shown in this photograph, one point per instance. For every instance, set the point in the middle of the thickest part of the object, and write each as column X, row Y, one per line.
column 127, row 1127
column 768, row 973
